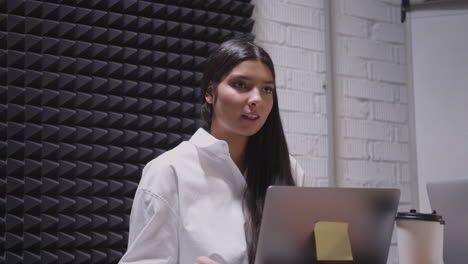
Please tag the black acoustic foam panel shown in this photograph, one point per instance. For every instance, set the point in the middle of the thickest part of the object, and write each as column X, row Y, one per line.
column 90, row 91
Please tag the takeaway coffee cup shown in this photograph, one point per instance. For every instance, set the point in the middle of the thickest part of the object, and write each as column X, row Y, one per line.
column 420, row 237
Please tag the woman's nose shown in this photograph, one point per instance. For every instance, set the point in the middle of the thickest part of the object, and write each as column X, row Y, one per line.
column 255, row 97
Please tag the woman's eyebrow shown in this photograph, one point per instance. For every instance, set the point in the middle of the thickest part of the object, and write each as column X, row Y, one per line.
column 247, row 78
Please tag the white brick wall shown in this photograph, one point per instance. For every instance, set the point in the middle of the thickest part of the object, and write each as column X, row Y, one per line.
column 290, row 57
column 389, row 32
column 305, row 38
column 305, row 81
column 353, row 149
column 272, row 32
column 370, row 85
column 369, row 49
column 365, row 89
column 305, row 123
column 367, row 9
column 371, row 71
column 287, row 13
column 312, row 3
column 390, row 112
column 354, row 108
column 365, row 129
column 296, row 101
column 388, row 72
column 391, row 151
column 351, row 26
column 292, row 32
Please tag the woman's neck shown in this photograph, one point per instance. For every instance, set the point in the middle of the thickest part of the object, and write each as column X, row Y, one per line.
column 237, row 145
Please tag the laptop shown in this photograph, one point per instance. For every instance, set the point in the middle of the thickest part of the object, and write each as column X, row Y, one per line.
column 291, row 213
column 449, row 199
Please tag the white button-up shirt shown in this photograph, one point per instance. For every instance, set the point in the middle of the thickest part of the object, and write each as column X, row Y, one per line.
column 189, row 204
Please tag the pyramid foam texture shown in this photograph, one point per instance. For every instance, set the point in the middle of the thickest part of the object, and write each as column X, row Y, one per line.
column 90, row 91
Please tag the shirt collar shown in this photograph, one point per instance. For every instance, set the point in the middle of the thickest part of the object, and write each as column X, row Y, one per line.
column 215, row 148
column 204, row 140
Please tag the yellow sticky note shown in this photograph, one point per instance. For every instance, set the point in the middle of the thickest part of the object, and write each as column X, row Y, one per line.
column 332, row 241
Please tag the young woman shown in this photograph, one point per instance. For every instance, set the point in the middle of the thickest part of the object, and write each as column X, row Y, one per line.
column 202, row 201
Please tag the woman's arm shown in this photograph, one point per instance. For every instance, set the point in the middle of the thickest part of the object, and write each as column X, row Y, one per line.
column 153, row 234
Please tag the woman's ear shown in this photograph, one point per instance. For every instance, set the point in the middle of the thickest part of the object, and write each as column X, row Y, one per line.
column 209, row 98
column 209, row 94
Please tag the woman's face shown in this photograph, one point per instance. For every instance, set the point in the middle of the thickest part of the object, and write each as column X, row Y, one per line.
column 242, row 101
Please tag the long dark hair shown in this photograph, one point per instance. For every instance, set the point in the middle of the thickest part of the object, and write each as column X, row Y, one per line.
column 267, row 155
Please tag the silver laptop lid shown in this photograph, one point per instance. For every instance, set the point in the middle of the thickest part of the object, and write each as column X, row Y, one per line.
column 290, row 214
column 449, row 198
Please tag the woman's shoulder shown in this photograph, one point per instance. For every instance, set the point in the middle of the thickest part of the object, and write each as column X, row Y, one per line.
column 164, row 169
column 185, row 150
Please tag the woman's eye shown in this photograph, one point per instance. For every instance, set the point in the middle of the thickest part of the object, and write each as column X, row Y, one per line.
column 239, row 85
column 268, row 89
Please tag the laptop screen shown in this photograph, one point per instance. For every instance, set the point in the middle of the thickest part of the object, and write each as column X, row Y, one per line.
column 298, row 222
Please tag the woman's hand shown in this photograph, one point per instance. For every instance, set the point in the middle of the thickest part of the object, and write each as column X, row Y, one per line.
column 205, row 260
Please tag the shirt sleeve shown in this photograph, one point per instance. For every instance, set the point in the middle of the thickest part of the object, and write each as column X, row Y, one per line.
column 297, row 172
column 153, row 231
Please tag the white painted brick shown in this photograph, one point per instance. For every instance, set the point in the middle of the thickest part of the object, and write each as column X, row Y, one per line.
column 280, row 75
column 315, row 169
column 353, row 149
column 370, row 183
column 269, row 31
column 306, row 123
column 371, row 67
column 367, row 183
column 354, row 108
column 305, row 81
column 404, row 173
column 347, row 182
column 403, row 95
column 369, row 49
column 319, row 183
column 405, row 193
column 322, row 146
column 395, row 13
column 312, row 3
column 319, row 61
column 365, row 89
column 382, row 71
column 290, row 57
column 391, row 151
column 363, row 129
column 284, row 116
column 320, row 104
column 322, row 21
column 296, row 101
column 390, row 112
column 301, row 144
column 351, row 66
column 388, row 32
column 402, row 134
column 352, row 26
column 367, row 170
column 391, row 2
column 287, row 13
column 305, row 38
column 369, row 9
column 400, row 54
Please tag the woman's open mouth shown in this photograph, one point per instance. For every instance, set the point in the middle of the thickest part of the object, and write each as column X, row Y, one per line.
column 251, row 117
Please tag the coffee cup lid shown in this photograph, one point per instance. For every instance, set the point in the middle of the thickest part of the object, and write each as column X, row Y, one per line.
column 413, row 215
